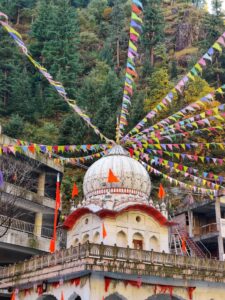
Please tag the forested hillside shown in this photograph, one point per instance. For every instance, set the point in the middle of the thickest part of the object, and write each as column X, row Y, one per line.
column 83, row 44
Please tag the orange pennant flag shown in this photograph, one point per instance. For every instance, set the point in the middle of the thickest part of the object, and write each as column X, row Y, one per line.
column 75, row 190
column 183, row 244
column 52, row 245
column 62, row 296
column 112, row 177
column 104, row 232
column 161, row 193
column 13, row 296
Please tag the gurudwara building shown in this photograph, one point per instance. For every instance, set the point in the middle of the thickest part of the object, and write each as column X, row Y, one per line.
column 118, row 247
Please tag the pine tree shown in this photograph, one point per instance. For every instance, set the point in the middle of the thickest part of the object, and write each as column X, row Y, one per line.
column 56, row 45
column 153, row 28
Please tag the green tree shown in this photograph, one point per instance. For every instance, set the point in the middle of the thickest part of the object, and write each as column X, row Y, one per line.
column 56, row 39
column 153, row 28
column 14, row 127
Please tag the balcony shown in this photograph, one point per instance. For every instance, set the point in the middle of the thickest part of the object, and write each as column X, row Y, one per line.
column 21, row 233
column 103, row 258
column 22, row 193
column 208, row 228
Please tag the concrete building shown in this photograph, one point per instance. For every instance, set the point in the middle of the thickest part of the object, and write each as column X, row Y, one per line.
column 204, row 223
column 26, row 227
column 117, row 248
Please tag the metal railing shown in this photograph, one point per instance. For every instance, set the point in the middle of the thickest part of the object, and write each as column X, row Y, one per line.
column 208, row 228
column 113, row 253
column 23, row 226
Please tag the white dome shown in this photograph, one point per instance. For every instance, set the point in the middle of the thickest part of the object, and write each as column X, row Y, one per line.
column 134, row 185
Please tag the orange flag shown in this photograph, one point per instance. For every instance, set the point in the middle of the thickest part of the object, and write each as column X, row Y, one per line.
column 112, row 177
column 183, row 244
column 104, row 232
column 161, row 193
column 62, row 296
column 75, row 190
column 13, row 296
column 52, row 246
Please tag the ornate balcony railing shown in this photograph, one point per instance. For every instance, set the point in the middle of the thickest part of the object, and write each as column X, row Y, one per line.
column 104, row 253
column 23, row 226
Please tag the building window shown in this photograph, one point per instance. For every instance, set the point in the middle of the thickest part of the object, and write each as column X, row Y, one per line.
column 86, row 221
column 138, row 219
column 138, row 241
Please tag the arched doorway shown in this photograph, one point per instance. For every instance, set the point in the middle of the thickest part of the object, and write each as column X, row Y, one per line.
column 164, row 297
column 47, row 297
column 74, row 296
column 121, row 239
column 138, row 241
column 154, row 243
column 85, row 238
column 76, row 242
column 96, row 238
column 115, row 296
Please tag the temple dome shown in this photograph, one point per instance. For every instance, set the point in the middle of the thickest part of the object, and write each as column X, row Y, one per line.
column 134, row 185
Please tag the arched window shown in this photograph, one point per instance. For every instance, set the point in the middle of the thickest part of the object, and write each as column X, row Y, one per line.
column 76, row 242
column 115, row 296
column 85, row 238
column 47, row 297
column 138, row 241
column 121, row 239
column 96, row 238
column 74, row 296
column 164, row 297
column 154, row 243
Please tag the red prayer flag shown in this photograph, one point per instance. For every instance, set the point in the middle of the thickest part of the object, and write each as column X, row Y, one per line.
column 161, row 193
column 104, row 232
column 75, row 190
column 112, row 177
column 62, row 296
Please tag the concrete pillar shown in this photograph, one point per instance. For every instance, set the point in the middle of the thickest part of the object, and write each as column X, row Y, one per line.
column 41, row 184
column 38, row 224
column 190, row 220
column 218, row 222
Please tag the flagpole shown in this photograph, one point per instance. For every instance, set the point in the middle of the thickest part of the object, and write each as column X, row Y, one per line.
column 57, row 206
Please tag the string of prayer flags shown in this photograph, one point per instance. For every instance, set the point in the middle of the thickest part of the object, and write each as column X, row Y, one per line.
column 210, row 192
column 83, row 159
column 216, row 113
column 131, row 73
column 49, row 149
column 112, row 178
column 185, row 171
column 55, row 84
column 188, row 156
column 75, row 190
column 190, row 76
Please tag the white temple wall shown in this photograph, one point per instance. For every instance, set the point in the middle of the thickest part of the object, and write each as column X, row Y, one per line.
column 121, row 231
column 93, row 288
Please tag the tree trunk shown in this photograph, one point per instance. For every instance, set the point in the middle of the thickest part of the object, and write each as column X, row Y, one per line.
column 118, row 52
column 18, row 17
column 152, row 56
